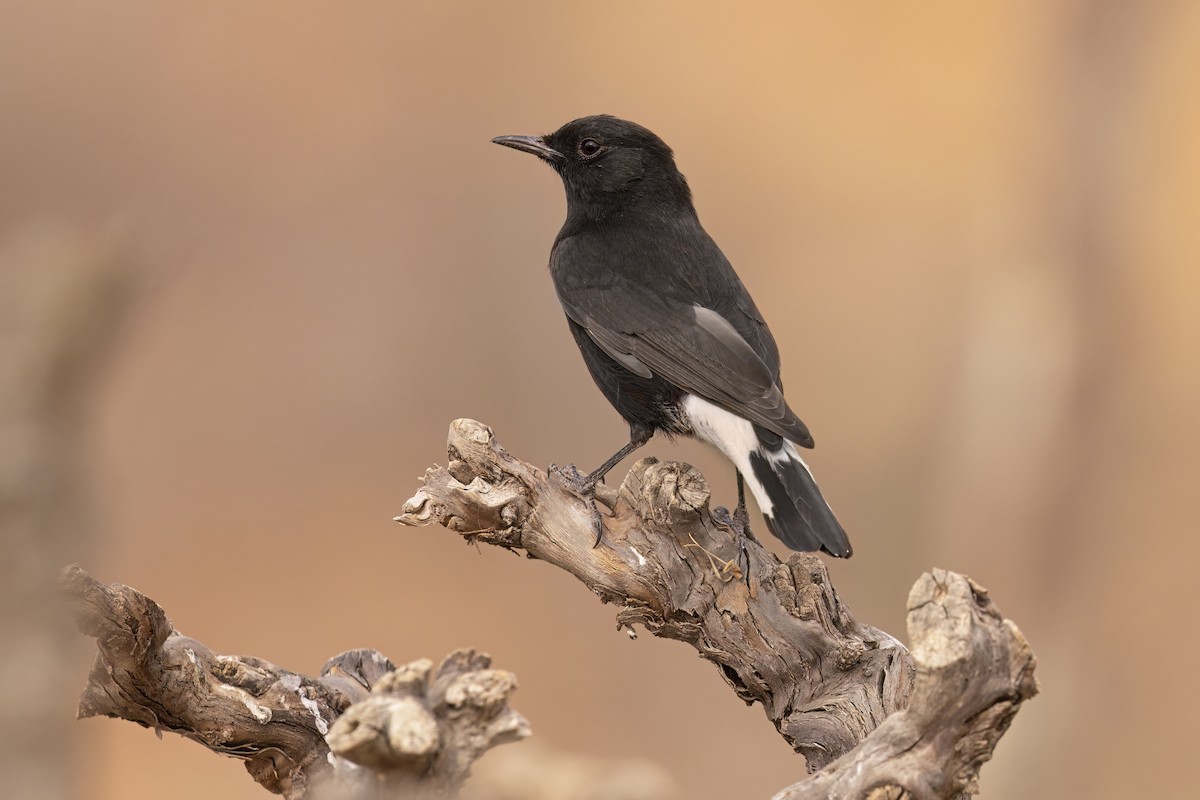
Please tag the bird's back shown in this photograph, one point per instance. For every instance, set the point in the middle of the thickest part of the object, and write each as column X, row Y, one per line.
column 666, row 258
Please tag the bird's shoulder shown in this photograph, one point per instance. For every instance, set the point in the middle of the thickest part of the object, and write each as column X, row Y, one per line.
column 672, row 257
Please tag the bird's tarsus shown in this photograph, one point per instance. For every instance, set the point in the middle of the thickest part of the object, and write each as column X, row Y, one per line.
column 740, row 522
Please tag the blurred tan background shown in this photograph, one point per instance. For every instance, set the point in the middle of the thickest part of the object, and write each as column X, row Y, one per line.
column 971, row 227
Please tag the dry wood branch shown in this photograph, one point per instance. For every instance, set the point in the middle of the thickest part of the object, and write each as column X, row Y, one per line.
column 788, row 642
column 974, row 669
column 825, row 680
column 364, row 728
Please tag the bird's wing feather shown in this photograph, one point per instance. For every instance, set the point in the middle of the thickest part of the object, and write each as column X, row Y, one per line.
column 693, row 347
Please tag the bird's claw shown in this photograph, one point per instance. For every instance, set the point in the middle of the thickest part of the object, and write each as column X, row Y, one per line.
column 578, row 484
column 597, row 524
column 738, row 522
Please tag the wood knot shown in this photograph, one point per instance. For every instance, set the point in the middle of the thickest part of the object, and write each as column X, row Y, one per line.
column 672, row 493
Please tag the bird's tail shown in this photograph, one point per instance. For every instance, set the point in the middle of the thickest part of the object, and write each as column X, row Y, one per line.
column 792, row 504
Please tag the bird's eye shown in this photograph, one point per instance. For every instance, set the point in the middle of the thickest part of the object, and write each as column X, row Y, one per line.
column 589, row 148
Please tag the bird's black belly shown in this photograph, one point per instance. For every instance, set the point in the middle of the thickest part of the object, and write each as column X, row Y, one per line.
column 647, row 404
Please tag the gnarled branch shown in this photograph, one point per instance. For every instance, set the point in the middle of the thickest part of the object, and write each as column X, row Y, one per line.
column 974, row 669
column 363, row 728
column 782, row 638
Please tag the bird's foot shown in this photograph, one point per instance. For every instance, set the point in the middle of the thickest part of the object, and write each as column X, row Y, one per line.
column 569, row 476
column 585, row 489
column 739, row 523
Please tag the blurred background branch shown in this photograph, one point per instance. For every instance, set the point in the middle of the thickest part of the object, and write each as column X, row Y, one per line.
column 62, row 300
column 363, row 729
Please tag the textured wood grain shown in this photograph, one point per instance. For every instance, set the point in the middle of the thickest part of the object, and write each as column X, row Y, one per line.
column 363, row 728
column 974, row 669
column 787, row 641
column 847, row 696
column 872, row 718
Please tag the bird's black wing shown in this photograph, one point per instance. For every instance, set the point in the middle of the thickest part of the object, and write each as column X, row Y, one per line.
column 689, row 345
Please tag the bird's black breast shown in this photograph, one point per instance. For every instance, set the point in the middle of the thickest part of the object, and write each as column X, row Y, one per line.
column 647, row 404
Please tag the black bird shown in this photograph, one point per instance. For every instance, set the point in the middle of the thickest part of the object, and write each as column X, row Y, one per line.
column 668, row 331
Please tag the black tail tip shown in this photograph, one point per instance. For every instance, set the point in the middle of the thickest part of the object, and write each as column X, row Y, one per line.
column 831, row 540
column 845, row 552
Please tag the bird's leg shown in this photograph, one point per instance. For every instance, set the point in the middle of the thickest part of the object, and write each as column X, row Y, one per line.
column 586, row 487
column 597, row 475
column 741, row 524
column 741, row 519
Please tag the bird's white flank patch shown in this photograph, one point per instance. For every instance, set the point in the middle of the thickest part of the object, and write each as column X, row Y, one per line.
column 730, row 434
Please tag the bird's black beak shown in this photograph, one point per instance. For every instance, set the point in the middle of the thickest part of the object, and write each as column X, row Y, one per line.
column 530, row 144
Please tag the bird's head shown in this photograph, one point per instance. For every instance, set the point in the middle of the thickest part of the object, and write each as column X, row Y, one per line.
column 607, row 163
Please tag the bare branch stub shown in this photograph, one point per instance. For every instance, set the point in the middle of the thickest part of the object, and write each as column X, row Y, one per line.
column 422, row 728
column 364, row 728
column 974, row 670
column 788, row 642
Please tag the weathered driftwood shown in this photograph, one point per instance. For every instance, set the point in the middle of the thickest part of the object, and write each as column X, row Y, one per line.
column 782, row 638
column 364, row 728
